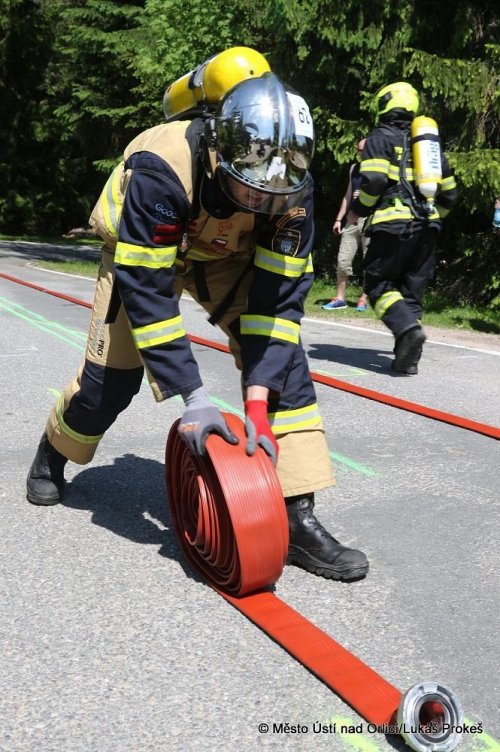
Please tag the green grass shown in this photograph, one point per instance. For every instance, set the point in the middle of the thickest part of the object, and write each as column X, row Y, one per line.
column 57, row 240
column 81, row 268
column 436, row 313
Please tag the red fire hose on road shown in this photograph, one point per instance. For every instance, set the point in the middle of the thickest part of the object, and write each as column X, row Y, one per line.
column 230, row 519
column 386, row 399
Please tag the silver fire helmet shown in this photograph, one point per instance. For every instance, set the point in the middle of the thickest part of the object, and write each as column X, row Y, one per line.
column 265, row 144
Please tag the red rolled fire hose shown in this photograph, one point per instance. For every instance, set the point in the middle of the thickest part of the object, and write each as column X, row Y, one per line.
column 230, row 518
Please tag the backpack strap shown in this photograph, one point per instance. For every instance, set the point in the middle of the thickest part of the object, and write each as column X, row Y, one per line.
column 403, row 190
column 194, row 137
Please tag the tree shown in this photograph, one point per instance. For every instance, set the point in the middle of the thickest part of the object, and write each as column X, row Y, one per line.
column 79, row 78
column 177, row 36
column 449, row 53
column 25, row 48
column 68, row 96
column 88, row 108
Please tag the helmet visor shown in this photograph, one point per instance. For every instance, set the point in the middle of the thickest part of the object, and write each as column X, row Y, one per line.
column 257, row 200
column 265, row 142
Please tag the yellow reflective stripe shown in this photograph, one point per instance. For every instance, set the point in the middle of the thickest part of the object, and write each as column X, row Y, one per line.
column 310, row 266
column 367, row 199
column 443, row 212
column 386, row 301
column 128, row 254
column 80, row 437
column 394, row 173
column 447, row 184
column 374, row 165
column 267, row 326
column 111, row 201
column 159, row 333
column 288, row 266
column 385, row 215
column 285, row 421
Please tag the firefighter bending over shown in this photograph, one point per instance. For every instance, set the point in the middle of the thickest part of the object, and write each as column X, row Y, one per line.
column 217, row 202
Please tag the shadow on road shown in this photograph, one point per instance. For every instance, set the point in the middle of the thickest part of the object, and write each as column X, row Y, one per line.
column 378, row 361
column 51, row 251
column 129, row 498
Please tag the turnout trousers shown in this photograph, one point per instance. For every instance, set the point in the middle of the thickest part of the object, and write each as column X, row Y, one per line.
column 112, row 372
column 397, row 269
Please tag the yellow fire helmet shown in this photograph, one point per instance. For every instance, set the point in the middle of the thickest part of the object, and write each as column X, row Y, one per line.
column 397, row 96
column 202, row 88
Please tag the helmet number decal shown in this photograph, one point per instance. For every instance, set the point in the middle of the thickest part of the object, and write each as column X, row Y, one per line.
column 301, row 116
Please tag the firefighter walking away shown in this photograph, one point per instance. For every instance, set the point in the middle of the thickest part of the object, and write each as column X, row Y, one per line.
column 407, row 189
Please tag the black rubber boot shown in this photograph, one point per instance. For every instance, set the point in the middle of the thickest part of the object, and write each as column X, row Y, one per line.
column 45, row 482
column 408, row 351
column 314, row 549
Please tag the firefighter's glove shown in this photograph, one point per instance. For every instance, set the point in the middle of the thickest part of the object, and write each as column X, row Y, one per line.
column 258, row 430
column 200, row 419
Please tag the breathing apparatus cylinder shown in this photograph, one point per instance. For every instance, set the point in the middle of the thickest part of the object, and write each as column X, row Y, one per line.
column 426, row 152
column 204, row 86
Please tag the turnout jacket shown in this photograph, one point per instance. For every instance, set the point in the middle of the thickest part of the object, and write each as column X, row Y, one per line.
column 153, row 200
column 383, row 194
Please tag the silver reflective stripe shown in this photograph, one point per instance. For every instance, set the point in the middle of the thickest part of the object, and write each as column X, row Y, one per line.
column 288, row 266
column 111, row 200
column 300, row 419
column 65, row 429
column 386, row 301
column 267, row 326
column 159, row 333
column 128, row 254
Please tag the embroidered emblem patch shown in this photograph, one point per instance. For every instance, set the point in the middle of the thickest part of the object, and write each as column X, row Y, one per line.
column 286, row 242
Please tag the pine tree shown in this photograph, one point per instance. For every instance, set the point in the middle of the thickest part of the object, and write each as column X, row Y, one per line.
column 24, row 52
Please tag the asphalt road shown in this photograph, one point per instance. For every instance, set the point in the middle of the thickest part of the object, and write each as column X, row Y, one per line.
column 110, row 643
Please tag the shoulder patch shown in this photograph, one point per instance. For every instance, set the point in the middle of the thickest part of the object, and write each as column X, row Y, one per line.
column 297, row 211
column 286, row 242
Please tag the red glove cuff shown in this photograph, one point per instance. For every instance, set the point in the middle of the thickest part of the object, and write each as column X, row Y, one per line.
column 256, row 410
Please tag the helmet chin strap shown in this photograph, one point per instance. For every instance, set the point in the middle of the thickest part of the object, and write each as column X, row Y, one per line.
column 210, row 160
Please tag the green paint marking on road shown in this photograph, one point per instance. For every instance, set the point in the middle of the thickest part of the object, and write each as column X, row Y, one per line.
column 354, row 465
column 354, row 740
column 225, row 406
column 42, row 320
column 486, row 743
column 44, row 327
column 357, row 741
column 489, row 744
column 357, row 466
